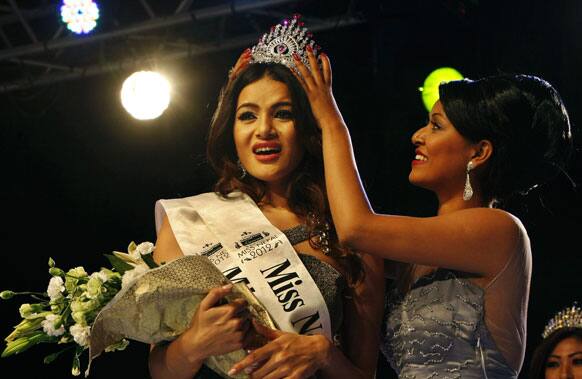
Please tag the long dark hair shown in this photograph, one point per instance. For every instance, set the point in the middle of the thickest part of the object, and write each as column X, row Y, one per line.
column 306, row 192
column 537, row 368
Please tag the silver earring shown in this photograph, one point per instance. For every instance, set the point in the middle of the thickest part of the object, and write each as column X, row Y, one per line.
column 243, row 171
column 468, row 191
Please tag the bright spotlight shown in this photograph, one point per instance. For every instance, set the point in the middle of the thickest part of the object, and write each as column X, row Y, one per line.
column 145, row 95
column 80, row 15
column 430, row 88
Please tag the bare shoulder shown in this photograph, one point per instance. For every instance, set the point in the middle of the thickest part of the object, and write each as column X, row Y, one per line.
column 492, row 218
column 167, row 248
column 522, row 246
column 501, row 226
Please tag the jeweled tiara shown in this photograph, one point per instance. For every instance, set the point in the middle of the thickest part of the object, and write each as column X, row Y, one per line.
column 568, row 318
column 284, row 39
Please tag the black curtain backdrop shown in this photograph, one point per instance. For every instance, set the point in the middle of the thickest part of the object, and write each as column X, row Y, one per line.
column 80, row 176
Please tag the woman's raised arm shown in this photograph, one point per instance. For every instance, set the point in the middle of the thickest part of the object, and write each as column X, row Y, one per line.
column 442, row 241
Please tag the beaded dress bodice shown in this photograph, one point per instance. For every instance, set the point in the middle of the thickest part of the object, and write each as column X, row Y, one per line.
column 437, row 330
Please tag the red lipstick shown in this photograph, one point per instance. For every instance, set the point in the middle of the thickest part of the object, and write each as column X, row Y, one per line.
column 267, row 151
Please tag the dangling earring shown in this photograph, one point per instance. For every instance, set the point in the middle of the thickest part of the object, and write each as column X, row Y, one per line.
column 468, row 191
column 243, row 171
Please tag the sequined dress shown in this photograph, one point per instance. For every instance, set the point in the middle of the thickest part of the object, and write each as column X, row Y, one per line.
column 329, row 281
column 437, row 330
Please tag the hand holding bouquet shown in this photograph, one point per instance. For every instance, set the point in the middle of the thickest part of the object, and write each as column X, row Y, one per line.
column 133, row 300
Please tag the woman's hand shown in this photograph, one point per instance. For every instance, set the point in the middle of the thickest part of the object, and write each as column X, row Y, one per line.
column 216, row 329
column 317, row 85
column 241, row 63
column 286, row 355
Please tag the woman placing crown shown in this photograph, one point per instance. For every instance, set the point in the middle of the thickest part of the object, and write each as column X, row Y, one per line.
column 465, row 273
column 559, row 355
column 268, row 226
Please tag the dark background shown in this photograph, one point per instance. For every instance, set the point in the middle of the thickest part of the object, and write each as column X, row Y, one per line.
column 80, row 176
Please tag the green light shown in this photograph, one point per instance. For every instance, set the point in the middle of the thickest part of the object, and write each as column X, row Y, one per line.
column 430, row 88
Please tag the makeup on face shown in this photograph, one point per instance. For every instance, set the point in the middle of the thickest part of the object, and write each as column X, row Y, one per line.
column 565, row 361
column 264, row 130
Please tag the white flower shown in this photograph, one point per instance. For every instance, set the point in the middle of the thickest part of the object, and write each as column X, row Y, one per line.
column 48, row 325
column 25, row 310
column 29, row 310
column 101, row 275
column 130, row 275
column 77, row 272
column 81, row 308
column 55, row 288
column 143, row 248
column 79, row 318
column 94, row 287
column 80, row 334
column 72, row 278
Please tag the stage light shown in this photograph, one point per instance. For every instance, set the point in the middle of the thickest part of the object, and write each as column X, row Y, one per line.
column 145, row 95
column 430, row 88
column 80, row 15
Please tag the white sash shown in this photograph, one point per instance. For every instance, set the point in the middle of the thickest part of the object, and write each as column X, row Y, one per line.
column 238, row 239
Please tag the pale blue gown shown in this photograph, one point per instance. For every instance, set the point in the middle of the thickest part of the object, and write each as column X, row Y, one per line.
column 447, row 326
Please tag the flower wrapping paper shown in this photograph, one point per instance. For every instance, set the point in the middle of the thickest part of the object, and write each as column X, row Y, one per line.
column 158, row 306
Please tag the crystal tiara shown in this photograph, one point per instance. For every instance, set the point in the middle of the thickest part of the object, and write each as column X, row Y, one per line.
column 284, row 39
column 568, row 318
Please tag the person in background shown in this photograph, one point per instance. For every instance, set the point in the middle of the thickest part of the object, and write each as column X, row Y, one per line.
column 559, row 355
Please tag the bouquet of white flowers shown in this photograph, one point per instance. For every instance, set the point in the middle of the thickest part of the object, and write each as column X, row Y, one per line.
column 134, row 300
column 65, row 312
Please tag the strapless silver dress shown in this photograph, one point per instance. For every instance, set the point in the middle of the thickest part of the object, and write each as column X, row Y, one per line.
column 437, row 330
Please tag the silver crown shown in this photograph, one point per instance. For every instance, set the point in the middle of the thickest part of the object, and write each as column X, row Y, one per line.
column 284, row 39
column 568, row 318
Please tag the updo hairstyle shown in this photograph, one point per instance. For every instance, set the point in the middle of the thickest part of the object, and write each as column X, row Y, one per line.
column 524, row 118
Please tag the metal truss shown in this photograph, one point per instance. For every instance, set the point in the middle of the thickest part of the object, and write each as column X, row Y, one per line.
column 38, row 49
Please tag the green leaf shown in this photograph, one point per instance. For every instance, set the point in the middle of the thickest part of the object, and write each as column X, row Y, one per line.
column 51, row 262
column 24, row 343
column 49, row 358
column 118, row 264
column 26, row 327
column 131, row 247
column 118, row 346
column 55, row 271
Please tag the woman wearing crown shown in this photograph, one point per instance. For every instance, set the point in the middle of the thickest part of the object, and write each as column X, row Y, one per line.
column 268, row 226
column 559, row 355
